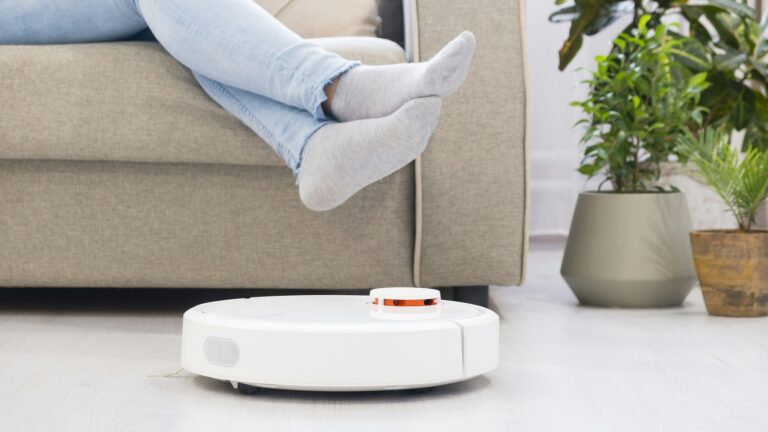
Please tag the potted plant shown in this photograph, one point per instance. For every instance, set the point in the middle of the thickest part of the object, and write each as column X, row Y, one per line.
column 732, row 265
column 628, row 247
column 725, row 40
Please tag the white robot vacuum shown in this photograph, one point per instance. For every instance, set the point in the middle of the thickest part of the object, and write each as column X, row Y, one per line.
column 396, row 338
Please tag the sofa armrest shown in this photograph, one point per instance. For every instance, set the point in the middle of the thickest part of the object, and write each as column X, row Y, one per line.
column 472, row 182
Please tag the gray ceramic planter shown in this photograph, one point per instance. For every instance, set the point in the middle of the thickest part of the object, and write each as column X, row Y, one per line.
column 630, row 250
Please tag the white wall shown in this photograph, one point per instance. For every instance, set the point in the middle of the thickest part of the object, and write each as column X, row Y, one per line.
column 555, row 152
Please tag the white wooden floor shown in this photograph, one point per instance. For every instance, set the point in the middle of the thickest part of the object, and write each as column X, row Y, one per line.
column 109, row 362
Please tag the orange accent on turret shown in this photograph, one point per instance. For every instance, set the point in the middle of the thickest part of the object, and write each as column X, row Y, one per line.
column 391, row 302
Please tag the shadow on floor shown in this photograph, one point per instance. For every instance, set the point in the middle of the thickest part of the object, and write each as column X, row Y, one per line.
column 132, row 299
column 386, row 396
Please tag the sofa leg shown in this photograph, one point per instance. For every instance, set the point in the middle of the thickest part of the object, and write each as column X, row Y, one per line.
column 476, row 295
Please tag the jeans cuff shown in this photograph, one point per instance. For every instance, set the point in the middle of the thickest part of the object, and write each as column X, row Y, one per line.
column 320, row 96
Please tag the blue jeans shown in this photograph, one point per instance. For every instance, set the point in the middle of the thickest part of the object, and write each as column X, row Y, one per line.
column 247, row 61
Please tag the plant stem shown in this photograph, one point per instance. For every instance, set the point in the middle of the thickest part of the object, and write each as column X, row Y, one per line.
column 711, row 114
column 636, row 168
column 638, row 11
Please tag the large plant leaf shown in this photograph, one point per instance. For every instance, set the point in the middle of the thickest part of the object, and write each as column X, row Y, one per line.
column 734, row 7
column 757, row 131
column 724, row 30
column 588, row 18
column 565, row 14
column 609, row 14
column 600, row 22
column 744, row 109
column 696, row 29
column 692, row 54
column 762, row 37
column 730, row 60
column 756, row 136
column 761, row 109
column 719, row 98
column 691, row 12
column 761, row 68
column 763, row 23
column 569, row 50
column 762, row 48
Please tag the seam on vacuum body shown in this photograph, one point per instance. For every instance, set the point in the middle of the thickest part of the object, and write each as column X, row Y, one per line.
column 463, row 351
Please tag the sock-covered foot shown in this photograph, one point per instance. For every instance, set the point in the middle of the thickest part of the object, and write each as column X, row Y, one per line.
column 376, row 91
column 342, row 158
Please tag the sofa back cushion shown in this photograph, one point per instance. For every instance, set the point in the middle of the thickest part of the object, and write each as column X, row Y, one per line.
column 317, row 18
column 130, row 102
column 325, row 18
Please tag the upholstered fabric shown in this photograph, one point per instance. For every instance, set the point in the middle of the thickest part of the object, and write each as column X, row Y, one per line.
column 319, row 18
column 130, row 101
column 474, row 190
column 324, row 18
column 171, row 191
column 105, row 224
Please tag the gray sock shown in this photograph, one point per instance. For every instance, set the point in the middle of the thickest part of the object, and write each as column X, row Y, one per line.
column 376, row 91
column 342, row 158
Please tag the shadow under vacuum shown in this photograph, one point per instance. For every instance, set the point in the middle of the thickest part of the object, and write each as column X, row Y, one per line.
column 134, row 299
column 383, row 396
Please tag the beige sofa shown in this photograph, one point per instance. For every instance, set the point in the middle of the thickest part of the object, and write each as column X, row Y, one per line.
column 116, row 170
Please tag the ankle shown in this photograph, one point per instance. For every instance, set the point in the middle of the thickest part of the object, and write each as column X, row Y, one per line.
column 330, row 93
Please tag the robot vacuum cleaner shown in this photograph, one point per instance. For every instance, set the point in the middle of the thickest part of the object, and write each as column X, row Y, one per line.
column 396, row 338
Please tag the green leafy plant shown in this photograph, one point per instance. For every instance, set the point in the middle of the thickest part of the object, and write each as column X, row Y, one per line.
column 589, row 17
column 725, row 41
column 740, row 179
column 639, row 100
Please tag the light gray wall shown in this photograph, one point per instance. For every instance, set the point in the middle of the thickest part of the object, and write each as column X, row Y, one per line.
column 555, row 152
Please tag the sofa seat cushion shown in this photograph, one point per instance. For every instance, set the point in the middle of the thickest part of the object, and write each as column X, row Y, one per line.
column 132, row 102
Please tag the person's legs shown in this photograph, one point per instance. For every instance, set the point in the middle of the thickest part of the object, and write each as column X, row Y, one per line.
column 234, row 42
column 285, row 128
column 239, row 44
column 340, row 159
column 259, row 71
column 32, row 22
column 332, row 161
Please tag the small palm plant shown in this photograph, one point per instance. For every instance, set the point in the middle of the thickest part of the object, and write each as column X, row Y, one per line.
column 741, row 180
column 730, row 263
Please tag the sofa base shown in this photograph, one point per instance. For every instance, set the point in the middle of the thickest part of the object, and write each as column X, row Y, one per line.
column 107, row 224
column 476, row 295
